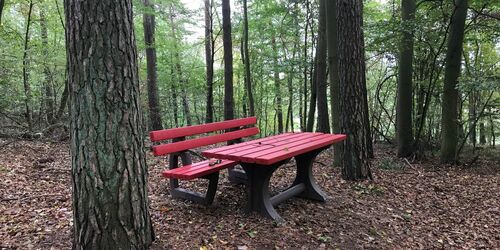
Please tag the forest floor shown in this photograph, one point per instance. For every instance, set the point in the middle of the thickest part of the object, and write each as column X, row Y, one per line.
column 408, row 205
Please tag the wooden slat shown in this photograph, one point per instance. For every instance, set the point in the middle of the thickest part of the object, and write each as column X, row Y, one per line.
column 282, row 147
column 220, row 149
column 166, row 134
column 304, row 148
column 203, row 141
column 261, row 143
column 237, row 154
column 197, row 170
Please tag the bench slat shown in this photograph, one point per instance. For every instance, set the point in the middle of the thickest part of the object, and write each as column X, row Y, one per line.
column 203, row 141
column 166, row 134
column 197, row 170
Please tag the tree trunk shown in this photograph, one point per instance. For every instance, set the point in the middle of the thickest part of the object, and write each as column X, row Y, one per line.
column 246, row 58
column 312, row 102
column 179, row 73
column 404, row 130
column 277, row 86
column 149, row 39
column 482, row 133
column 453, row 61
column 472, row 118
column 2, row 4
column 27, row 88
column 303, row 112
column 47, row 82
column 333, row 62
column 209, row 59
column 228, row 61
column 322, row 101
column 356, row 164
column 109, row 172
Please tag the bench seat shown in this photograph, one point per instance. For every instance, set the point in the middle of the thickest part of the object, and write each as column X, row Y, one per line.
column 197, row 170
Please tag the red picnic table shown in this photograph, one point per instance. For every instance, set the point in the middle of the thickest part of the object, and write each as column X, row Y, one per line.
column 260, row 158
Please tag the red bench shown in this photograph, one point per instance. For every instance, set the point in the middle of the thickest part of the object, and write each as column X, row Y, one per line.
column 180, row 146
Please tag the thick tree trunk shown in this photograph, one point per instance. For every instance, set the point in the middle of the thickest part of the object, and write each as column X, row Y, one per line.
column 404, row 130
column 322, row 101
column 228, row 61
column 47, row 82
column 277, row 87
column 246, row 58
column 27, row 88
column 149, row 39
column 333, row 63
column 209, row 59
column 449, row 114
column 356, row 164
column 109, row 172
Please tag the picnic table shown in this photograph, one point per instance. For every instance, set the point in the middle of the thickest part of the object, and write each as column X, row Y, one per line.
column 260, row 158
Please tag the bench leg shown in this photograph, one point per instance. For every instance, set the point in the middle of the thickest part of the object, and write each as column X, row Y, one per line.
column 237, row 176
column 305, row 178
column 181, row 193
column 258, row 190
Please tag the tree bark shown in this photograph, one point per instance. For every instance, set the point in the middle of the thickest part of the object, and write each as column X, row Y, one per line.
column 149, row 39
column 246, row 58
column 209, row 59
column 356, row 164
column 322, row 101
column 333, row 63
column 453, row 61
column 404, row 130
column 228, row 61
column 27, row 88
column 47, row 83
column 109, row 172
column 277, row 87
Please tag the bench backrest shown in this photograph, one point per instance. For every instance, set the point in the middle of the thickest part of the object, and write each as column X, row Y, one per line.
column 239, row 129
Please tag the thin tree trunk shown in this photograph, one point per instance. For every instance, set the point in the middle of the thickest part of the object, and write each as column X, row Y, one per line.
column 322, row 101
column 179, row 73
column 47, row 83
column 333, row 62
column 277, row 87
column 449, row 114
column 246, row 58
column 312, row 101
column 404, row 130
column 209, row 59
column 303, row 113
column 27, row 87
column 173, row 90
column 228, row 61
column 109, row 172
column 356, row 164
column 2, row 4
column 149, row 39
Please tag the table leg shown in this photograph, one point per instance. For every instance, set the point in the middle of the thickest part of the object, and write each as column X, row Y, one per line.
column 304, row 176
column 258, row 189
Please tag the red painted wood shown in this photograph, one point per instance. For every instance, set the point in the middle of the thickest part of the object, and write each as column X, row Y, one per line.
column 166, row 134
column 244, row 144
column 282, row 147
column 197, row 170
column 257, row 149
column 203, row 141
column 283, row 155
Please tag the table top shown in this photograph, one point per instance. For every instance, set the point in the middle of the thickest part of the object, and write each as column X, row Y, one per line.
column 272, row 149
